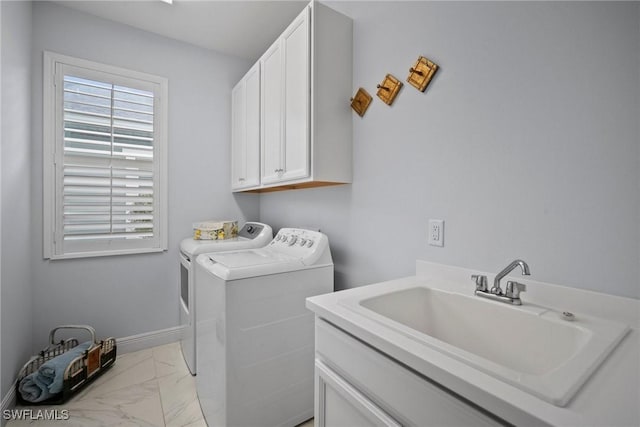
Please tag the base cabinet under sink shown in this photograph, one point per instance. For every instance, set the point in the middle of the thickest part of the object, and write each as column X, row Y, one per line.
column 357, row 386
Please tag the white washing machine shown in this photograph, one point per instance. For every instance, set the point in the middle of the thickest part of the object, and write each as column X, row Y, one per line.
column 251, row 235
column 255, row 336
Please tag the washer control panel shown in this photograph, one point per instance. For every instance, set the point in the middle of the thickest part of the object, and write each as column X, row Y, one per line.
column 299, row 242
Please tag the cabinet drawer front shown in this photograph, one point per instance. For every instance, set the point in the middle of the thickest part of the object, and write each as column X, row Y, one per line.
column 409, row 398
column 339, row 404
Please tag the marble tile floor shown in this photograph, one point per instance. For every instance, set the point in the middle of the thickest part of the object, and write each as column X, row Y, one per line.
column 150, row 387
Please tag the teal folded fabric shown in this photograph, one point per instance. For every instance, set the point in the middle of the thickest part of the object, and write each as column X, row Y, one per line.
column 33, row 389
column 52, row 371
column 49, row 378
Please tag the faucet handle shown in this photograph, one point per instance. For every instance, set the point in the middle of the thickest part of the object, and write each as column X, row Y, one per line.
column 481, row 282
column 514, row 288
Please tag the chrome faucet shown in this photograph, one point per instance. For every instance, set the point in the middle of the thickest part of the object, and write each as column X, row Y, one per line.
column 508, row 269
column 513, row 289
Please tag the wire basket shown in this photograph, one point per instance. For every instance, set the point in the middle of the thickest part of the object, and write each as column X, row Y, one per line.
column 81, row 371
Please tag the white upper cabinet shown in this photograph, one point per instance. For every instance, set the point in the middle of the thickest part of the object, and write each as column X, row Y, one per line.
column 305, row 117
column 245, row 131
column 285, row 104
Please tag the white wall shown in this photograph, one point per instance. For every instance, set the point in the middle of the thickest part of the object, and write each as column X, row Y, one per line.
column 127, row 295
column 526, row 143
column 15, row 201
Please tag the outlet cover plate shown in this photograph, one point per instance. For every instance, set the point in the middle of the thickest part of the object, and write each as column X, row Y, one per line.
column 436, row 232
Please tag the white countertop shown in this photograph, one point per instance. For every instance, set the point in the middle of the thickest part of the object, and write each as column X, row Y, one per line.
column 610, row 397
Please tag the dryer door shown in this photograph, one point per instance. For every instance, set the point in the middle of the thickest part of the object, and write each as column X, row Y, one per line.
column 186, row 307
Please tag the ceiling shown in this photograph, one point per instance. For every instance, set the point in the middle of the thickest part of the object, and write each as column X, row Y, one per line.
column 234, row 27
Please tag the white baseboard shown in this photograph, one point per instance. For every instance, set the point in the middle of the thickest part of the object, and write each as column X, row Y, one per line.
column 8, row 402
column 149, row 339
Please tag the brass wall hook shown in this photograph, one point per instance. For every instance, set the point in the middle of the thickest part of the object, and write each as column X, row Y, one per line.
column 421, row 73
column 388, row 89
column 361, row 102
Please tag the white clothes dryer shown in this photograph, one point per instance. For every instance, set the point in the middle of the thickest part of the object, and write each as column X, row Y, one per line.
column 251, row 235
column 255, row 336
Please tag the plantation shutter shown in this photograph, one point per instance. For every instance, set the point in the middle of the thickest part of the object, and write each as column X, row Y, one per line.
column 107, row 173
column 108, row 161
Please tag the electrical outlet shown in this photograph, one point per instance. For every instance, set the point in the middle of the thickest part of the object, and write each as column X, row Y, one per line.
column 436, row 232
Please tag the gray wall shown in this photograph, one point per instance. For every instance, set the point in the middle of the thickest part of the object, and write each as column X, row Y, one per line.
column 127, row 295
column 16, row 177
column 526, row 143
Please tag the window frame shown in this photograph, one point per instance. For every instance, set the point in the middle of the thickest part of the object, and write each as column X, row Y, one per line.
column 53, row 152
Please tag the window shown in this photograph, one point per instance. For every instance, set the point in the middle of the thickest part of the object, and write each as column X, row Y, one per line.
column 104, row 159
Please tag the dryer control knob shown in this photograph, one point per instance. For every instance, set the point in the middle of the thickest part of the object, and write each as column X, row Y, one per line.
column 292, row 240
column 310, row 243
column 302, row 242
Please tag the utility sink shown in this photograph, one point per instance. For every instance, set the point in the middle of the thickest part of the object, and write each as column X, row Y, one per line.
column 530, row 347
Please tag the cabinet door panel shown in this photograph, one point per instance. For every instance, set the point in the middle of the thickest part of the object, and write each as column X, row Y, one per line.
column 341, row 405
column 271, row 113
column 238, row 154
column 297, row 53
column 252, row 128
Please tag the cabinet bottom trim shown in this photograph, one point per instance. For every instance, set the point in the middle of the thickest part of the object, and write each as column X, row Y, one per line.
column 284, row 187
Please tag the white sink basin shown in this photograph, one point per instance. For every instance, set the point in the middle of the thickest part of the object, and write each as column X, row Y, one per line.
column 528, row 346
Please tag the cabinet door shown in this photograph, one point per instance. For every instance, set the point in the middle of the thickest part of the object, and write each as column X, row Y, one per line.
column 238, row 146
column 245, row 131
column 271, row 102
column 252, row 127
column 339, row 404
column 296, row 51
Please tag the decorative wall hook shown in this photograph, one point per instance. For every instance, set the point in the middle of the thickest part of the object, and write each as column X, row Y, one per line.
column 361, row 102
column 388, row 89
column 421, row 73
